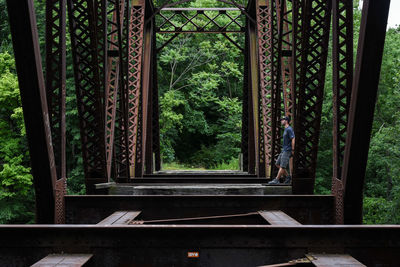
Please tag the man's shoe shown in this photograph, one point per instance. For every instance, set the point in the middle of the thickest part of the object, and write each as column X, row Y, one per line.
column 288, row 180
column 275, row 181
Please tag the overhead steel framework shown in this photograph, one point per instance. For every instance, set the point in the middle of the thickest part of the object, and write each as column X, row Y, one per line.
column 114, row 59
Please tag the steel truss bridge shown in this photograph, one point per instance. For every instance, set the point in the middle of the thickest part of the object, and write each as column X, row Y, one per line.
column 114, row 53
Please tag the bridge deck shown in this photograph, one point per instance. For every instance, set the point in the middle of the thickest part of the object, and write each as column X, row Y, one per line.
column 313, row 209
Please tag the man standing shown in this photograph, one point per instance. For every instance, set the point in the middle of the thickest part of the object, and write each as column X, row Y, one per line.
column 287, row 152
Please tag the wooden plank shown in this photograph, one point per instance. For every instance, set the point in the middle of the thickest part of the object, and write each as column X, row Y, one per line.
column 104, row 185
column 330, row 260
column 112, row 218
column 128, row 217
column 277, row 217
column 120, row 217
column 65, row 260
column 280, row 264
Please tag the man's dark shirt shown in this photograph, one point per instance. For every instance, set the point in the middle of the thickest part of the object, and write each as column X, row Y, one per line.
column 288, row 135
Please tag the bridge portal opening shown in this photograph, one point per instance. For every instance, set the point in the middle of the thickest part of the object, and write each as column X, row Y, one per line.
column 200, row 74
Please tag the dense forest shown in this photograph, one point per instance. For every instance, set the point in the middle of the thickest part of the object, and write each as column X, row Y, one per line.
column 200, row 83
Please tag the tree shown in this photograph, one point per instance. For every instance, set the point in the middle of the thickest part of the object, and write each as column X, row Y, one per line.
column 16, row 194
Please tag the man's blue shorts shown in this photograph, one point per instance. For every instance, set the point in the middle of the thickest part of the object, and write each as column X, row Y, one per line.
column 283, row 159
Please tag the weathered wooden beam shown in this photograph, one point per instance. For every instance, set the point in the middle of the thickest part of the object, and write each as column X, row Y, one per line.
column 64, row 260
column 120, row 218
column 278, row 217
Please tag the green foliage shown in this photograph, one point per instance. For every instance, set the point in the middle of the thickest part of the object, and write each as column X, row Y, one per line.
column 375, row 210
column 170, row 122
column 200, row 82
column 232, row 164
column 382, row 188
column 16, row 194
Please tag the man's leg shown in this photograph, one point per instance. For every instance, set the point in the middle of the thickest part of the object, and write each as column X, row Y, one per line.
column 289, row 169
column 278, row 165
column 284, row 171
column 281, row 172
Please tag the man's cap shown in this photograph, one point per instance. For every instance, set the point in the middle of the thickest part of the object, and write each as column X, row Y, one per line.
column 286, row 118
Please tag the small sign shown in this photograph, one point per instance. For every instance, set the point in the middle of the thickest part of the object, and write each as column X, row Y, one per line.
column 193, row 254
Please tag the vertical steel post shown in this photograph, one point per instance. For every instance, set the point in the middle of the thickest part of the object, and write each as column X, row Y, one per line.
column 269, row 13
column 55, row 78
column 135, row 53
column 253, row 100
column 278, row 107
column 362, row 105
column 83, row 18
column 115, row 81
column 342, row 57
column 145, row 99
column 56, row 94
column 287, row 60
column 121, row 159
column 155, row 107
column 23, row 27
column 315, row 27
column 245, row 108
column 265, row 61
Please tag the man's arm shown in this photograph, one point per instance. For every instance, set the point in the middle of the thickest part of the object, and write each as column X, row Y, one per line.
column 293, row 144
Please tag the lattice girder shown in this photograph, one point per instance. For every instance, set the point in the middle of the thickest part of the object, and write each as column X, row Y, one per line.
column 136, row 28
column 270, row 93
column 85, row 49
column 116, row 10
column 56, row 95
column 313, row 25
column 342, row 56
column 206, row 20
column 55, row 79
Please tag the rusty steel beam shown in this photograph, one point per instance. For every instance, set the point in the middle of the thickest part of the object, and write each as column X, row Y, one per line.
column 188, row 20
column 56, row 94
column 135, row 46
column 245, row 109
column 315, row 26
column 153, row 157
column 116, row 8
column 145, row 100
column 85, row 50
column 342, row 57
column 98, row 10
column 269, row 46
column 253, row 93
column 55, row 79
column 155, row 109
column 121, row 153
column 148, row 155
column 362, row 104
column 265, row 53
column 315, row 209
column 167, row 4
column 296, row 46
column 190, row 23
column 276, row 52
column 60, row 192
column 286, row 59
column 23, row 27
column 217, row 245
